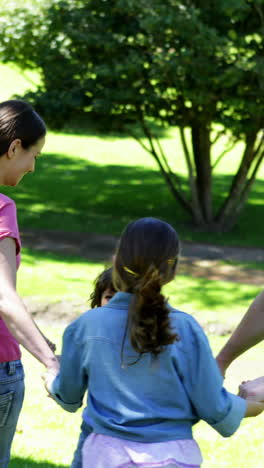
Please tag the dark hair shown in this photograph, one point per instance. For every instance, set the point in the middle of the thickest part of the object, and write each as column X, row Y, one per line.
column 146, row 258
column 19, row 120
column 102, row 282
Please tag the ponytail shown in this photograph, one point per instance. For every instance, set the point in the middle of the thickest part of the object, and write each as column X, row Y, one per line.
column 145, row 260
column 149, row 324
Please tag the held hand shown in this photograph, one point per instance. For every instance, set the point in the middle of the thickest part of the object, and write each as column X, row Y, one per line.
column 252, row 389
column 48, row 377
column 54, row 365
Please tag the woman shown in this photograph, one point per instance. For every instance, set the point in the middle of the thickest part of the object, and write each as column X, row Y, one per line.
column 22, row 137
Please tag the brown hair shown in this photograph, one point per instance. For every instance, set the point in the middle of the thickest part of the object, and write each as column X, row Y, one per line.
column 19, row 120
column 102, row 282
column 146, row 259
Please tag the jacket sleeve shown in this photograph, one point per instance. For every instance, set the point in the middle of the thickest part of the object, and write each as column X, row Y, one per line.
column 204, row 385
column 69, row 386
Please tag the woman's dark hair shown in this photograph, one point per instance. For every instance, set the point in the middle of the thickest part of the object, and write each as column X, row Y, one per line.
column 102, row 282
column 19, row 120
column 146, row 258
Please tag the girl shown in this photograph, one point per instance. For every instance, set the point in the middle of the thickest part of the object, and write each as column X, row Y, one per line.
column 22, row 136
column 148, row 367
column 103, row 289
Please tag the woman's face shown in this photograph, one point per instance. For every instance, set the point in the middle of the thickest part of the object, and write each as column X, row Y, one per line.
column 21, row 161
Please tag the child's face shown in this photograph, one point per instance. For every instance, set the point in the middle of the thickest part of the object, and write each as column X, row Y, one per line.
column 106, row 296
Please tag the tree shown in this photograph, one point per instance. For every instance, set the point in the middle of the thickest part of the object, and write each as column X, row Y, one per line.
column 195, row 64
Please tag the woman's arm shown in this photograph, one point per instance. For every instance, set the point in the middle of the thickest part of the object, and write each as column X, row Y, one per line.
column 249, row 332
column 13, row 311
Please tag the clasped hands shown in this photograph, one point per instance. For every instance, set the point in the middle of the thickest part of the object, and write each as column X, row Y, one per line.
column 49, row 375
column 252, row 390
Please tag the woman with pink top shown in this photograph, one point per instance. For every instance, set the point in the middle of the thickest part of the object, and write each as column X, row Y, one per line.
column 22, row 136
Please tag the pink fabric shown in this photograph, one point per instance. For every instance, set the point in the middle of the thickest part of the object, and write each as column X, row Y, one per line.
column 101, row 451
column 9, row 348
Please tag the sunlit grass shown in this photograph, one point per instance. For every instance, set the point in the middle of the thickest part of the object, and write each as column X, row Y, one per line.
column 14, row 81
column 52, row 276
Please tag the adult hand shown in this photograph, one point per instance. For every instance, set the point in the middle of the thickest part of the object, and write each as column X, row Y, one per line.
column 48, row 377
column 53, row 366
column 252, row 389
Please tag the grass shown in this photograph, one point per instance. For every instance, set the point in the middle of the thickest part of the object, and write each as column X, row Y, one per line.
column 55, row 277
column 14, row 81
column 70, row 191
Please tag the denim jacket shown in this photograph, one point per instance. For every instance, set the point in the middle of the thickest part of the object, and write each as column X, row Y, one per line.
column 151, row 400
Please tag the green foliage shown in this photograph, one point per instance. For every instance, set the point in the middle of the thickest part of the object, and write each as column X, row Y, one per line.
column 167, row 60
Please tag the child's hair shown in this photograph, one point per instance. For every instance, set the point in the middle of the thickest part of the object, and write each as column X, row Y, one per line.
column 102, row 282
column 146, row 259
column 19, row 120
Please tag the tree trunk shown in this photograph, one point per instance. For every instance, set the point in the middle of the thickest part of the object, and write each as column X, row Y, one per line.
column 201, row 152
column 239, row 181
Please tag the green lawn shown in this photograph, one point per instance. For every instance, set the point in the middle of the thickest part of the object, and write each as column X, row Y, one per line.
column 52, row 277
column 90, row 182
column 93, row 184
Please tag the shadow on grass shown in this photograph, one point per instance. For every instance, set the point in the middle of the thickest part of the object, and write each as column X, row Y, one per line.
column 18, row 462
column 212, row 295
column 71, row 194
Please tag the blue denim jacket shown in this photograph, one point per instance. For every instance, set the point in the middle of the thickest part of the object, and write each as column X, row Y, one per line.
column 150, row 401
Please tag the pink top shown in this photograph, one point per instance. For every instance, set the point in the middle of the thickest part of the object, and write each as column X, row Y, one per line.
column 100, row 450
column 9, row 348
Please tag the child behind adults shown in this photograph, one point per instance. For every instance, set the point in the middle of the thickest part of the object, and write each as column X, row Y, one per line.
column 149, row 368
column 103, row 289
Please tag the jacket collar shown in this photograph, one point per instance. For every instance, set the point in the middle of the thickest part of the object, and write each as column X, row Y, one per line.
column 120, row 300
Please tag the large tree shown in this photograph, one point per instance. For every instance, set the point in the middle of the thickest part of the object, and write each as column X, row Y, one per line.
column 194, row 64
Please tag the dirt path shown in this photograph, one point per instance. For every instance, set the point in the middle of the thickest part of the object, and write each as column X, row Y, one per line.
column 197, row 259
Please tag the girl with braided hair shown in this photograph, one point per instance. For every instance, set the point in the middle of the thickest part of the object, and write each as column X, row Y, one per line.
column 148, row 367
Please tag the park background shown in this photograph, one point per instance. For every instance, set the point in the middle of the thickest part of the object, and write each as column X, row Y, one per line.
column 91, row 182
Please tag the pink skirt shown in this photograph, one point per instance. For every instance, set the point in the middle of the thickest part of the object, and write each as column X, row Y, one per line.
column 101, row 451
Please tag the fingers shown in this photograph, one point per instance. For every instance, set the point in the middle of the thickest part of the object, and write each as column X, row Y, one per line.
column 252, row 389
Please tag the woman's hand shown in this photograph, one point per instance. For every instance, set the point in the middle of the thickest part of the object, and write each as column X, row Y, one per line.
column 252, row 389
column 48, row 377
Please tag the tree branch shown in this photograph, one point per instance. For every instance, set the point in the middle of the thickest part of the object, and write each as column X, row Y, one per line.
column 221, row 155
column 165, row 170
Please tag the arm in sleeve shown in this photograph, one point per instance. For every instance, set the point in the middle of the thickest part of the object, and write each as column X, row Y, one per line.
column 204, row 385
column 8, row 223
column 70, row 384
